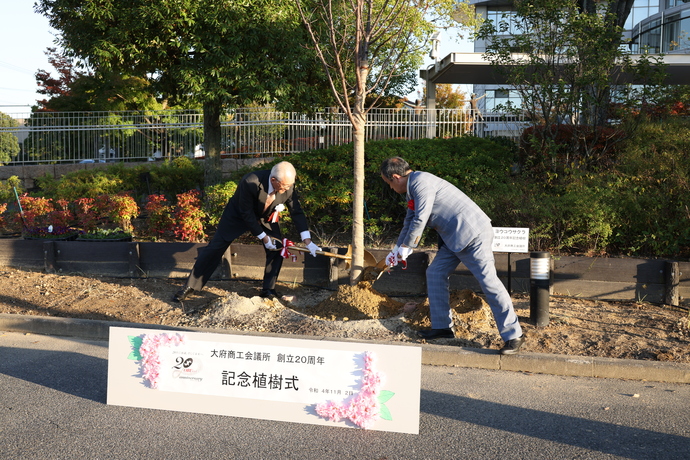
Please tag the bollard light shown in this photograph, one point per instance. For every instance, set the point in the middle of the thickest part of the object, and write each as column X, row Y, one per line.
column 540, row 281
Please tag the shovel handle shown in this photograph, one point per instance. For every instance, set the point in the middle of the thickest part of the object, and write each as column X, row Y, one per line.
column 323, row 253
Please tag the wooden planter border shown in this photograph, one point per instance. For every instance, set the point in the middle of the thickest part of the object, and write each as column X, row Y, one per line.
column 652, row 280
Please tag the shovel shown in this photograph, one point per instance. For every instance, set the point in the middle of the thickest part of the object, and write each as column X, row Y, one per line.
column 369, row 259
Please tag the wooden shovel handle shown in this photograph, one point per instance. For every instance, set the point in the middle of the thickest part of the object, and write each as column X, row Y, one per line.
column 325, row 253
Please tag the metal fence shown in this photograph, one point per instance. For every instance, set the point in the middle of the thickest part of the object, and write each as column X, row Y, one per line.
column 74, row 137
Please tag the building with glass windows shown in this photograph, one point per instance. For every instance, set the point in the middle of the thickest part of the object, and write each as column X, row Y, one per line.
column 666, row 30
column 653, row 26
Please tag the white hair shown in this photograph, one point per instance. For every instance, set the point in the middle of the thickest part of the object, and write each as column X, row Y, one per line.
column 284, row 172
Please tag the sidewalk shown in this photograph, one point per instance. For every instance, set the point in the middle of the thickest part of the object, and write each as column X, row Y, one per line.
column 436, row 355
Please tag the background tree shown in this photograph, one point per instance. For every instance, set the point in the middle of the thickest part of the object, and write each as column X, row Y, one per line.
column 566, row 64
column 75, row 91
column 216, row 54
column 9, row 145
column 449, row 97
column 363, row 46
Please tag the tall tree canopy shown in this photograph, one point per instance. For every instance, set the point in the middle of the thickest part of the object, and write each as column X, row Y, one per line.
column 75, row 90
column 216, row 53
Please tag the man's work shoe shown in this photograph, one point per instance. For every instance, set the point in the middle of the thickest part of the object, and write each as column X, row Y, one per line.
column 512, row 346
column 182, row 294
column 269, row 294
column 431, row 334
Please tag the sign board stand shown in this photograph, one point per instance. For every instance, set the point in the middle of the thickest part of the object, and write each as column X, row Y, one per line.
column 511, row 240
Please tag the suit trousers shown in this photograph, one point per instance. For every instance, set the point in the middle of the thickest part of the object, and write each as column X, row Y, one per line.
column 211, row 255
column 479, row 259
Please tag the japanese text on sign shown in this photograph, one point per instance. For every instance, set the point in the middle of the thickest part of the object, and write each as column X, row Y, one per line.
column 508, row 239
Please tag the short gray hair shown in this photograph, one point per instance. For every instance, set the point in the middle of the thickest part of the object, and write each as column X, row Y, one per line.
column 283, row 171
column 394, row 165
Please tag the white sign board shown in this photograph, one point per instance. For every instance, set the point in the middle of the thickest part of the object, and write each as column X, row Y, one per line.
column 296, row 380
column 509, row 239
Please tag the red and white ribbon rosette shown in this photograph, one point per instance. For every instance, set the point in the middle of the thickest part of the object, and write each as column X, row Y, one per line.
column 275, row 215
column 285, row 250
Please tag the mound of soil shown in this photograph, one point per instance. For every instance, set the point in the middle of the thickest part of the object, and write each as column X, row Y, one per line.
column 578, row 327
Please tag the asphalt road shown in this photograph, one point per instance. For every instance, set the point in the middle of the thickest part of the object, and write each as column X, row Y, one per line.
column 53, row 393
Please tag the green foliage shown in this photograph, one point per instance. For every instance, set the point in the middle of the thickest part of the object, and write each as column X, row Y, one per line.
column 325, row 178
column 177, row 176
column 638, row 206
column 106, row 234
column 170, row 178
column 651, row 191
column 563, row 58
column 87, row 183
column 9, row 145
column 217, row 196
column 8, row 187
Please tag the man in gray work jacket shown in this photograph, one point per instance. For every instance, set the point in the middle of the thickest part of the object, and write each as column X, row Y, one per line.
column 465, row 235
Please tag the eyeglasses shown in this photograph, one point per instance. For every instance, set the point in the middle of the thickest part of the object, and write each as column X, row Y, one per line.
column 281, row 187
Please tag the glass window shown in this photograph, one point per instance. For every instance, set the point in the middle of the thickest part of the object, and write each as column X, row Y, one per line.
column 676, row 34
column 672, row 3
column 501, row 97
column 500, row 17
column 641, row 10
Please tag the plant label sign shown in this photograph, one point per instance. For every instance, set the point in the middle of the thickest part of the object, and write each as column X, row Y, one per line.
column 357, row 385
column 510, row 239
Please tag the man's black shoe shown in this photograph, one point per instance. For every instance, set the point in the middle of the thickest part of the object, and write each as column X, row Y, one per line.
column 512, row 346
column 182, row 294
column 269, row 294
column 431, row 334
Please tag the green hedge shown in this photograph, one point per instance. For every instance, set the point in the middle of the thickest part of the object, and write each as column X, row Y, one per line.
column 638, row 206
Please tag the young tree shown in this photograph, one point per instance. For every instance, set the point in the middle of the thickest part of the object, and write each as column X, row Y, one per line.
column 363, row 46
column 565, row 60
column 213, row 53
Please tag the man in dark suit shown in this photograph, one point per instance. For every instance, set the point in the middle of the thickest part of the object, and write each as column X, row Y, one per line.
column 259, row 198
column 465, row 235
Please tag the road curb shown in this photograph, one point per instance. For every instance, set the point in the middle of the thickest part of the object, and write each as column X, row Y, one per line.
column 436, row 355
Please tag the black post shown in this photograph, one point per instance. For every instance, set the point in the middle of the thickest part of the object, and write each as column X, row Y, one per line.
column 540, row 280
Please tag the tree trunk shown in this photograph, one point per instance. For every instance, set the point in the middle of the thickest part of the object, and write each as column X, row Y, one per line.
column 213, row 172
column 358, row 127
column 359, row 122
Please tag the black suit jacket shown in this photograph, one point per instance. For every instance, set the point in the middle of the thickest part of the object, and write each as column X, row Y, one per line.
column 246, row 207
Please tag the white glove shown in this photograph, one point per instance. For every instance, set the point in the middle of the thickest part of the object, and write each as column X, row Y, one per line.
column 404, row 253
column 313, row 248
column 270, row 245
column 392, row 258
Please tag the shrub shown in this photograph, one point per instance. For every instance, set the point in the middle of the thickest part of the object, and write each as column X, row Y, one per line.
column 86, row 213
column 36, row 212
column 559, row 147
column 7, row 189
column 85, row 183
column 159, row 222
column 217, row 196
column 61, row 215
column 177, row 176
column 188, row 216
column 122, row 209
column 325, row 180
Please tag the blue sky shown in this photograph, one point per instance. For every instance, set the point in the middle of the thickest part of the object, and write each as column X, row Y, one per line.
column 25, row 35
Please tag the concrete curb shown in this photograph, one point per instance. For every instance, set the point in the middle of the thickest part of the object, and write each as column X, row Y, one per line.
column 436, row 355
